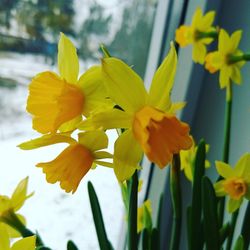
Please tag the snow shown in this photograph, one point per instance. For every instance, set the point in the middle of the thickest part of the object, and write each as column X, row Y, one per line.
column 56, row 215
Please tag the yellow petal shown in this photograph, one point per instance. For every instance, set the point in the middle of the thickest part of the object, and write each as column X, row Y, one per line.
column 163, row 80
column 207, row 21
column 46, row 140
column 219, row 188
column 69, row 167
column 233, row 205
column 199, row 52
column 124, row 86
column 235, row 40
column 224, row 169
column 197, row 17
column 176, row 106
column 225, row 74
column 70, row 125
column 68, row 64
column 20, row 194
column 184, row 35
column 236, row 75
column 127, row 155
column 224, row 42
column 242, row 167
column 102, row 155
column 113, row 118
column 4, row 238
column 214, row 61
column 28, row 243
column 93, row 140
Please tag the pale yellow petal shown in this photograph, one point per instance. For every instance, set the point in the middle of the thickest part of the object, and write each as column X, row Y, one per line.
column 4, row 238
column 28, row 243
column 235, row 40
column 46, row 140
column 20, row 194
column 176, row 107
column 199, row 52
column 127, row 155
column 233, row 205
column 162, row 83
column 102, row 155
column 68, row 64
column 207, row 21
column 219, row 188
column 109, row 119
column 224, row 169
column 93, row 140
column 242, row 167
column 124, row 86
column 236, row 75
column 104, row 164
column 225, row 74
column 197, row 17
column 70, row 125
column 224, row 41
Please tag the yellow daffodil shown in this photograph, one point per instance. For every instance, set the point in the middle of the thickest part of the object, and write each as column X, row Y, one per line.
column 187, row 160
column 76, row 160
column 148, row 118
column 222, row 59
column 55, row 100
column 236, row 182
column 144, row 219
column 28, row 243
column 200, row 33
column 10, row 205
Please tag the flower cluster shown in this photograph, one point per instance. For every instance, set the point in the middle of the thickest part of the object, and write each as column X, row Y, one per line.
column 107, row 96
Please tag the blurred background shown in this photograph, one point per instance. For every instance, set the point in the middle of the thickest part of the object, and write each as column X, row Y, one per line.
column 29, row 32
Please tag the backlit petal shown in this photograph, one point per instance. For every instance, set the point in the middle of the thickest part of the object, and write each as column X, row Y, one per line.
column 4, row 238
column 124, row 86
column 197, row 17
column 236, row 74
column 219, row 188
column 224, row 42
column 235, row 40
column 242, row 167
column 127, row 155
column 162, row 83
column 68, row 64
column 224, row 169
column 28, row 243
column 207, row 21
column 233, row 205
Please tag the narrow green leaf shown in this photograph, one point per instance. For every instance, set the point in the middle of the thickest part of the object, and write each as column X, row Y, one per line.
column 199, row 171
column 239, row 244
column 145, row 239
column 245, row 230
column 224, row 232
column 155, row 243
column 189, row 225
column 71, row 245
column 98, row 219
column 43, row 248
column 105, row 51
column 211, row 229
column 132, row 213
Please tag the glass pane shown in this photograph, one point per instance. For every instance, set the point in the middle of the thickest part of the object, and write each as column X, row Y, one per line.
column 29, row 31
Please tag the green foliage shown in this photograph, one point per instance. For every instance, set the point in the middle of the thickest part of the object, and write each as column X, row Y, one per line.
column 71, row 245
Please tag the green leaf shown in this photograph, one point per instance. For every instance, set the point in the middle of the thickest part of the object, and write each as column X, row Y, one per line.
column 224, row 232
column 43, row 248
column 189, row 225
column 71, row 245
column 211, row 228
column 245, row 230
column 147, row 218
column 196, row 237
column 155, row 243
column 145, row 239
column 239, row 244
column 132, row 213
column 98, row 219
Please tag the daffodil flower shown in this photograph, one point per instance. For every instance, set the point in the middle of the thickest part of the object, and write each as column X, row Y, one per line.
column 222, row 58
column 9, row 205
column 28, row 243
column 200, row 33
column 148, row 118
column 75, row 161
column 188, row 158
column 57, row 100
column 236, row 182
column 144, row 216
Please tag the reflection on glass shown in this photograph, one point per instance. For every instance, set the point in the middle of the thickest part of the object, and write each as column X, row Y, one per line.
column 29, row 31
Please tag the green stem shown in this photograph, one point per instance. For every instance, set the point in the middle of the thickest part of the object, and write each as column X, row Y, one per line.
column 232, row 227
column 201, row 35
column 132, row 213
column 226, row 146
column 175, row 189
column 245, row 231
column 234, row 59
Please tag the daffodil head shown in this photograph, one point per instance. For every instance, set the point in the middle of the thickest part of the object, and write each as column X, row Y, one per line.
column 222, row 59
column 71, row 165
column 236, row 182
column 160, row 135
column 197, row 34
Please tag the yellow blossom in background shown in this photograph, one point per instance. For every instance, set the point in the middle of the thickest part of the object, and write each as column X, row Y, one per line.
column 9, row 205
column 28, row 243
column 196, row 34
column 58, row 99
column 236, row 182
column 222, row 58
column 76, row 160
column 149, row 119
column 188, row 158
column 144, row 219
